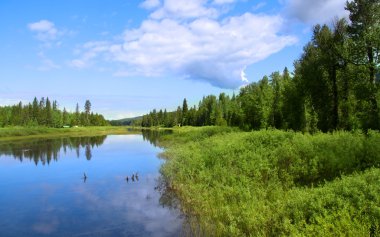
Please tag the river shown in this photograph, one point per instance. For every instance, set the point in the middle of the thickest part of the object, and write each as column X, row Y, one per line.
column 77, row 186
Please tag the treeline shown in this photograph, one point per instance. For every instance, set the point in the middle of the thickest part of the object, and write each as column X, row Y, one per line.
column 335, row 85
column 43, row 112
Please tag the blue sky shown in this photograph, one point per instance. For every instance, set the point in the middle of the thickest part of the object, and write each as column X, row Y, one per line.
column 128, row 57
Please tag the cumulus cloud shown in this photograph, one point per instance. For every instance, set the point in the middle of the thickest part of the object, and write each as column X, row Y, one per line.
column 312, row 11
column 184, row 9
column 44, row 29
column 223, row 1
column 185, row 41
column 150, row 4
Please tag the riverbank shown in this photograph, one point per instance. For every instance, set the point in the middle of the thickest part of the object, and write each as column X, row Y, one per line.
column 276, row 183
column 16, row 133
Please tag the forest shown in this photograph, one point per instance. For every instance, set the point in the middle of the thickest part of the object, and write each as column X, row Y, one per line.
column 309, row 165
column 43, row 112
column 334, row 85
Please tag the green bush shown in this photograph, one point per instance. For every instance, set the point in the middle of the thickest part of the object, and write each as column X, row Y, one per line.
column 273, row 183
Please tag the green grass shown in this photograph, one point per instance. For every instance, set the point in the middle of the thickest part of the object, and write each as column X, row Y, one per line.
column 276, row 183
column 14, row 133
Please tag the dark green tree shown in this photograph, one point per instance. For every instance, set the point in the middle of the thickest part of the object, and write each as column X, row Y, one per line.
column 36, row 110
column 49, row 113
column 77, row 116
column 364, row 32
column 65, row 117
column 87, row 111
column 185, row 109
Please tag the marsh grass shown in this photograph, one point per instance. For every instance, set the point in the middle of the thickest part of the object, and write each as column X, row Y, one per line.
column 276, row 183
column 15, row 133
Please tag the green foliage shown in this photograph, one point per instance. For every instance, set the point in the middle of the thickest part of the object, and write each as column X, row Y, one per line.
column 45, row 113
column 335, row 85
column 17, row 132
column 275, row 183
column 347, row 206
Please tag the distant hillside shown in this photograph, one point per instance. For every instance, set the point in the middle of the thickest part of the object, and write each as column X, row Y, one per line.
column 124, row 121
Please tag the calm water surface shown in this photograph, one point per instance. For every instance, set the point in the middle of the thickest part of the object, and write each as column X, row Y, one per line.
column 43, row 192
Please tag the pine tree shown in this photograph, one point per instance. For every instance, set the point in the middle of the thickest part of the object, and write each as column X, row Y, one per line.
column 87, row 111
column 184, row 112
column 77, row 116
column 49, row 113
column 42, row 112
column 35, row 113
column 178, row 116
column 65, row 117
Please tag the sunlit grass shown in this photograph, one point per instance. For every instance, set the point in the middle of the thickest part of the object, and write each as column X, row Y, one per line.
column 11, row 133
column 276, row 183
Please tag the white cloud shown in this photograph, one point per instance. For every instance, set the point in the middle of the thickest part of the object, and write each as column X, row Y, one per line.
column 49, row 37
column 90, row 51
column 224, row 1
column 313, row 12
column 150, row 4
column 186, row 42
column 78, row 63
column 46, row 64
column 184, row 9
column 42, row 26
column 44, row 29
column 258, row 6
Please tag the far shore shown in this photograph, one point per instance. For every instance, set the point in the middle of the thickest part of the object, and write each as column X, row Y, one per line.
column 17, row 133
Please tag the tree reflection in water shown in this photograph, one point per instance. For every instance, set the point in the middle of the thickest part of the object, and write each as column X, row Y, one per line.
column 43, row 151
column 152, row 136
column 108, row 204
column 169, row 199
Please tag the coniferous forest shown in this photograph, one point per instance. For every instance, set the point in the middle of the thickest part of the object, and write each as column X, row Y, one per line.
column 334, row 85
column 43, row 112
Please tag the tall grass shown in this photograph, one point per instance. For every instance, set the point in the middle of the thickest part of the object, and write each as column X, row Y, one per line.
column 276, row 183
column 11, row 133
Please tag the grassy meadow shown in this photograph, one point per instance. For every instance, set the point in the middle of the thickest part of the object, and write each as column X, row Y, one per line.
column 276, row 183
column 19, row 132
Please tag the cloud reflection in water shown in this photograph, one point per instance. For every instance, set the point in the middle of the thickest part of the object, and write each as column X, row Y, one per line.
column 53, row 200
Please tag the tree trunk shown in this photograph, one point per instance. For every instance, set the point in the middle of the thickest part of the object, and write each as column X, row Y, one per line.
column 335, row 112
column 372, row 76
column 374, row 113
column 345, row 108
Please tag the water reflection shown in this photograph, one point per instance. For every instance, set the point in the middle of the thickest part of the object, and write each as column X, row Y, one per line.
column 152, row 136
column 167, row 196
column 43, row 151
column 168, row 199
column 75, row 197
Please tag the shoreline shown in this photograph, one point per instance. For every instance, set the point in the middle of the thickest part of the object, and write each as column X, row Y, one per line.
column 21, row 133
